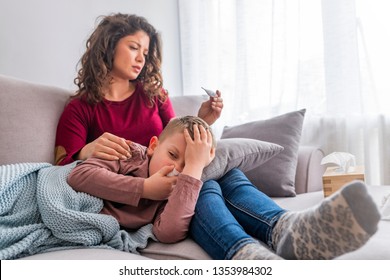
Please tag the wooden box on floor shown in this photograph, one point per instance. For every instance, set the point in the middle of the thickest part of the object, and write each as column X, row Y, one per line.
column 333, row 180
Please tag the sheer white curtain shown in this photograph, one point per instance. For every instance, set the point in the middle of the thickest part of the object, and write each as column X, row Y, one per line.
column 269, row 57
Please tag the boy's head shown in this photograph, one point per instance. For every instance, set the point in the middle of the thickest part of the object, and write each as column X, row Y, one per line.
column 180, row 123
column 169, row 148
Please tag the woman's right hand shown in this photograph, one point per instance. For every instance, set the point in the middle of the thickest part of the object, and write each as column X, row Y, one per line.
column 108, row 147
column 211, row 109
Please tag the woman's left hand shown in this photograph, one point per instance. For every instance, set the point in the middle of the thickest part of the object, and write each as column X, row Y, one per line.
column 211, row 109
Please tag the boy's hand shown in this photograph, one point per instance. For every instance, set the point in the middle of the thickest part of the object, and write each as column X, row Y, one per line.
column 159, row 186
column 199, row 152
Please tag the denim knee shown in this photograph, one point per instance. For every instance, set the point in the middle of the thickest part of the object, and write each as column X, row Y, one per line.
column 234, row 179
column 211, row 186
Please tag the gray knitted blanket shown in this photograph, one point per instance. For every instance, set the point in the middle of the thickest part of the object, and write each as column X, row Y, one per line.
column 40, row 212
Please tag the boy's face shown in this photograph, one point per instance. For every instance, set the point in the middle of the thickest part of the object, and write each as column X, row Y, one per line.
column 170, row 151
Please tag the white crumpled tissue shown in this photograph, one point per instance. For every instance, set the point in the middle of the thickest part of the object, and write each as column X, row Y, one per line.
column 174, row 172
column 345, row 161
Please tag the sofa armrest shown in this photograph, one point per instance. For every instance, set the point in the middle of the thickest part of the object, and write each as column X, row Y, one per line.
column 309, row 170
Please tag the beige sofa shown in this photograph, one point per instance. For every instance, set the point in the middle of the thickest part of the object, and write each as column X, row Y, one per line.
column 28, row 117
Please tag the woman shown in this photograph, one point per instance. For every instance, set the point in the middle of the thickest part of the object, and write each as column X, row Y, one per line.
column 121, row 99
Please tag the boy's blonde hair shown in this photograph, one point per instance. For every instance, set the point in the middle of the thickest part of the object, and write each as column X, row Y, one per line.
column 178, row 124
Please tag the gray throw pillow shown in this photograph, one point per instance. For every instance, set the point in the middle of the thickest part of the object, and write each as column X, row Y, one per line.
column 277, row 176
column 241, row 153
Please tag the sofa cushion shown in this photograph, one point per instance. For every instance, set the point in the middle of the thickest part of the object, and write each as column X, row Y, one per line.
column 86, row 253
column 277, row 176
column 241, row 153
column 186, row 249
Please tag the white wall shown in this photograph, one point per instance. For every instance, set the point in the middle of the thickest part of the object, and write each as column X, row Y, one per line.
column 42, row 40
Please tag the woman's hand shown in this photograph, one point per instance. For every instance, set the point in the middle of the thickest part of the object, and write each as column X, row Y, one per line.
column 108, row 147
column 211, row 109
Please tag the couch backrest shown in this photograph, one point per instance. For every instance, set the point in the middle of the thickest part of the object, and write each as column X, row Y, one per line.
column 28, row 119
column 29, row 115
column 187, row 105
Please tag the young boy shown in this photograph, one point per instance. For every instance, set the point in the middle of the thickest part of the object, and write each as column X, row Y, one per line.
column 139, row 190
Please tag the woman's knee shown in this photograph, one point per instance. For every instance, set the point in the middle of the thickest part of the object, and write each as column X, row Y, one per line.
column 233, row 180
column 235, row 176
column 210, row 187
column 234, row 172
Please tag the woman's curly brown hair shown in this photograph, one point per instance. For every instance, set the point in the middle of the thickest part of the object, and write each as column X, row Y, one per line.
column 95, row 65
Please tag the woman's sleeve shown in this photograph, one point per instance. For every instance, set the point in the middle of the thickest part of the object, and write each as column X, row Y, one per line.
column 72, row 131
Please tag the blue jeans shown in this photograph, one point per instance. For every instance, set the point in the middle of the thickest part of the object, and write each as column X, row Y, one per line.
column 229, row 213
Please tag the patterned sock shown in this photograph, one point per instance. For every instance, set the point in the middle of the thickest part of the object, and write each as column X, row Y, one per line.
column 255, row 251
column 342, row 223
